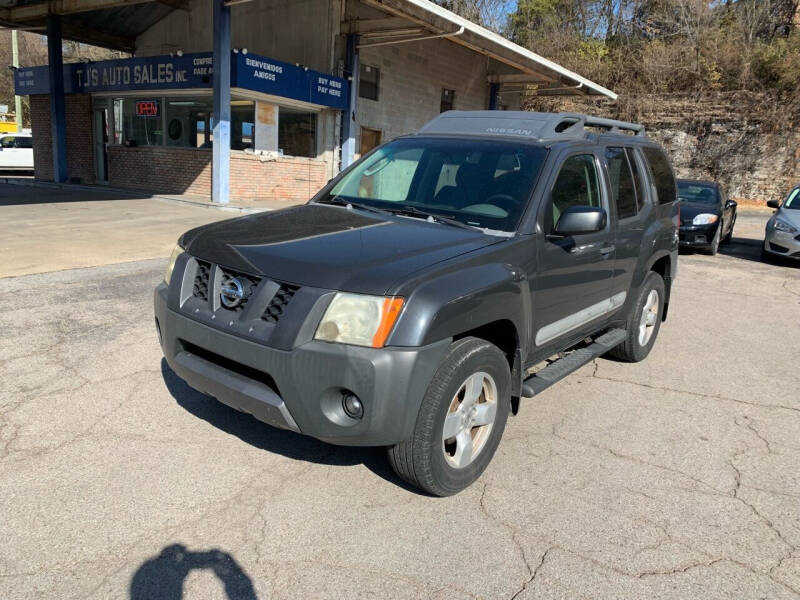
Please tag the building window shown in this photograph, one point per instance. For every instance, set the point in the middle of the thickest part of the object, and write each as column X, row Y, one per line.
column 189, row 122
column 448, row 97
column 180, row 122
column 141, row 121
column 243, row 124
column 368, row 81
column 297, row 132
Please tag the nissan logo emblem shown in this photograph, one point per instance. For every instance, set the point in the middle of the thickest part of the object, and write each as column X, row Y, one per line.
column 232, row 293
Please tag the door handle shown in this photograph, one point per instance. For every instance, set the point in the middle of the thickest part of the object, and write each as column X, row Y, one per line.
column 606, row 250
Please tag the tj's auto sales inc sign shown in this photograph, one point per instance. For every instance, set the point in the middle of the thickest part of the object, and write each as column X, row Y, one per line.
column 190, row 71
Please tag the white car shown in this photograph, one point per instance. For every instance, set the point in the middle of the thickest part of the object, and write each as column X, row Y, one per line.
column 16, row 152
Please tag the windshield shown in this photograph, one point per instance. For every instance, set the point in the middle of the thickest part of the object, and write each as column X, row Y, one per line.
column 484, row 184
column 793, row 199
column 698, row 193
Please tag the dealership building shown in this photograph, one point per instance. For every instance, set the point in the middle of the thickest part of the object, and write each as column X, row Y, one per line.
column 256, row 100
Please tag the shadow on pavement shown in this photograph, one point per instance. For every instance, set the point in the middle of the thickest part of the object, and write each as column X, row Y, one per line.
column 280, row 441
column 162, row 577
column 750, row 249
column 14, row 194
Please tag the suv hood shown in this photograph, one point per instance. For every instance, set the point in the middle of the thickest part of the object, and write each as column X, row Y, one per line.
column 331, row 247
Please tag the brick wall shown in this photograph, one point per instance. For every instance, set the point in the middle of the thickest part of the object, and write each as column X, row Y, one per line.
column 287, row 180
column 160, row 169
column 80, row 157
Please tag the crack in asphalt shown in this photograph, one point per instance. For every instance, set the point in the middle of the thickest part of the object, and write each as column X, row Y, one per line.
column 534, row 573
column 662, row 388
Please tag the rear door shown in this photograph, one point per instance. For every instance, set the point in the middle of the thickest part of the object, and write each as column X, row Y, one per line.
column 632, row 210
column 573, row 275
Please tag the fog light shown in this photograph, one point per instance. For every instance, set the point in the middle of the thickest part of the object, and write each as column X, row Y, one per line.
column 352, row 406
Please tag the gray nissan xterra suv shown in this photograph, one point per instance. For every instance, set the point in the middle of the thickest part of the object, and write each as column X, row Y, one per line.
column 409, row 303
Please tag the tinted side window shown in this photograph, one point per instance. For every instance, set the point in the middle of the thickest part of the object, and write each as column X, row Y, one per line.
column 622, row 189
column 576, row 185
column 24, row 142
column 663, row 178
column 637, row 178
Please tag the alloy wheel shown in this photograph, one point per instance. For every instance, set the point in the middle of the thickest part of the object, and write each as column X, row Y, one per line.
column 469, row 420
column 649, row 318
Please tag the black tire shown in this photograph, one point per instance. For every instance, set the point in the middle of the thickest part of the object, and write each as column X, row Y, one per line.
column 421, row 460
column 631, row 350
column 727, row 238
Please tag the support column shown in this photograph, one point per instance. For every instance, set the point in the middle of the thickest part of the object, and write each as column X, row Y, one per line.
column 349, row 116
column 15, row 64
column 221, row 153
column 494, row 88
column 58, row 116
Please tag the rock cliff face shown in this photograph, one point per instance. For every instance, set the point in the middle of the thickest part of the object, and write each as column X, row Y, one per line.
column 736, row 139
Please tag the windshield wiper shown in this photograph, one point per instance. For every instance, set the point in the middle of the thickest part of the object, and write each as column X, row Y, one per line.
column 413, row 211
column 337, row 201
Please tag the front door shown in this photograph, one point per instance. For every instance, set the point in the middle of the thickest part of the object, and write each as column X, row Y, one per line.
column 101, row 144
column 370, row 138
column 574, row 274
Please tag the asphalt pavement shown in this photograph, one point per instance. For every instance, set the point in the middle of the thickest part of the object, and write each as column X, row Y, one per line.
column 675, row 478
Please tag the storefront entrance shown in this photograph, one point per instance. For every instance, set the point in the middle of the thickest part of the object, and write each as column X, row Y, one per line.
column 100, row 136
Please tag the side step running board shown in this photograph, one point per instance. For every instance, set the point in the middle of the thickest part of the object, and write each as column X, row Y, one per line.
column 558, row 369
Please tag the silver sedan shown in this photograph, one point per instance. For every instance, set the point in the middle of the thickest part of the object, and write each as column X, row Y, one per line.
column 782, row 235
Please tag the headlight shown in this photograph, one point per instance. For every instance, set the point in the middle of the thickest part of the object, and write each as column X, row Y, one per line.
column 171, row 264
column 784, row 226
column 705, row 219
column 358, row 319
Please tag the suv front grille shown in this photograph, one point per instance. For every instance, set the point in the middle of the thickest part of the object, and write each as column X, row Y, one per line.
column 249, row 283
column 200, row 289
column 279, row 303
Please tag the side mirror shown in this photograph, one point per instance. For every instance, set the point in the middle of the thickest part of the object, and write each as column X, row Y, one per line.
column 577, row 220
column 773, row 204
column 731, row 204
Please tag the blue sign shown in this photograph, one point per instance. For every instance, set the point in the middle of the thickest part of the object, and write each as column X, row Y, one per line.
column 148, row 73
column 190, row 71
column 260, row 74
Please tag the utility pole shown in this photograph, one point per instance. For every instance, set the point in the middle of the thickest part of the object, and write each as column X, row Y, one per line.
column 15, row 64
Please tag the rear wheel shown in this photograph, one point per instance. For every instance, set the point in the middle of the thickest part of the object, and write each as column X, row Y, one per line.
column 460, row 422
column 644, row 321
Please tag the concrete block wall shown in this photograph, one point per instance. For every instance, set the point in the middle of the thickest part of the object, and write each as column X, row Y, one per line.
column 80, row 157
column 291, row 31
column 412, row 76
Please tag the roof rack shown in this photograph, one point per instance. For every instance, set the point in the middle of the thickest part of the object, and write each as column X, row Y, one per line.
column 536, row 125
column 612, row 125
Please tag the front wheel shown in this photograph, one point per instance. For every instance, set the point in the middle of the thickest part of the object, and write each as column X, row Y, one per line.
column 644, row 321
column 460, row 422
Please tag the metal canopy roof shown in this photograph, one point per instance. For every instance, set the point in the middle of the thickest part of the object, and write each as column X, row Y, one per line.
column 117, row 23
column 533, row 68
column 110, row 23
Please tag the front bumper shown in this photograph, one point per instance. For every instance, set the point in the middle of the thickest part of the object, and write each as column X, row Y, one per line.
column 781, row 243
column 301, row 389
column 697, row 236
